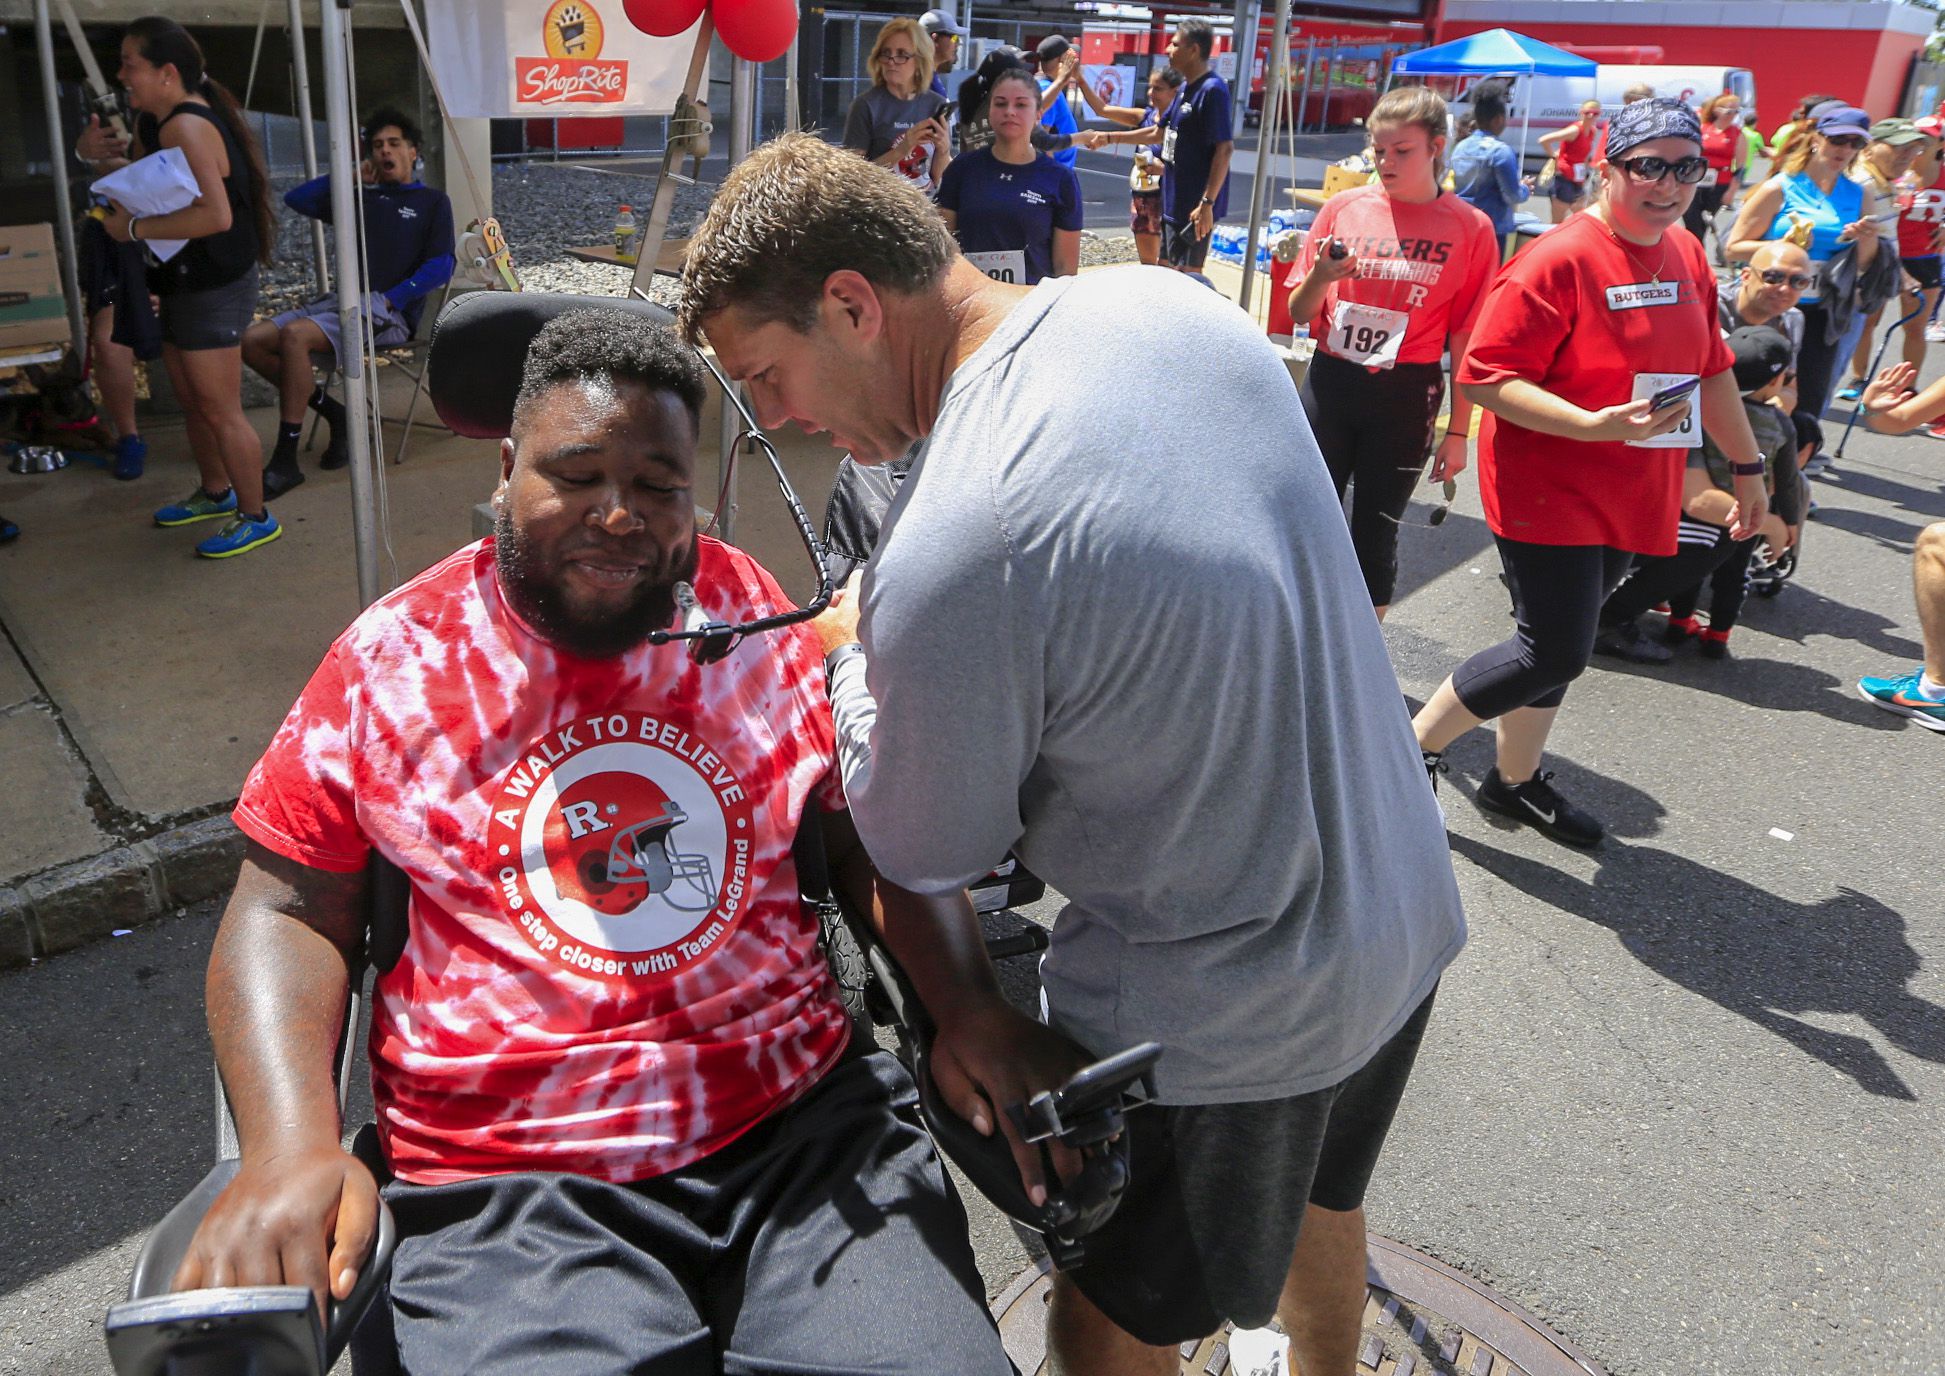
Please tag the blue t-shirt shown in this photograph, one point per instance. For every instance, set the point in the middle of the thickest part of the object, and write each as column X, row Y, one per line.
column 408, row 237
column 1004, row 205
column 1828, row 214
column 1060, row 119
column 1197, row 124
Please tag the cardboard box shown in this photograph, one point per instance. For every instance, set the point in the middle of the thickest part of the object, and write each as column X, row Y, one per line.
column 33, row 311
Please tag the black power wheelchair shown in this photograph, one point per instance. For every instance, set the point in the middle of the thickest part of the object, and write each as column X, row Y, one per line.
column 478, row 348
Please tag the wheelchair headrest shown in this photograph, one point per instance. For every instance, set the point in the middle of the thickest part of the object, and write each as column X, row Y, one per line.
column 479, row 347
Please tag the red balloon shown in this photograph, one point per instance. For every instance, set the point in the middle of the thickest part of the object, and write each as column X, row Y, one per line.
column 756, row 30
column 664, row 18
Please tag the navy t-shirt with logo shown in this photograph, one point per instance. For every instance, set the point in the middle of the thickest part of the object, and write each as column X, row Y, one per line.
column 408, row 226
column 1003, row 205
column 1197, row 124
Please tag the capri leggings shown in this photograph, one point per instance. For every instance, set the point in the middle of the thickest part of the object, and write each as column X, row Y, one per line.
column 1557, row 595
column 1375, row 430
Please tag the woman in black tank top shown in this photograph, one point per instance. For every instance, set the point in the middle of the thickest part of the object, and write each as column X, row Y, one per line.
column 207, row 289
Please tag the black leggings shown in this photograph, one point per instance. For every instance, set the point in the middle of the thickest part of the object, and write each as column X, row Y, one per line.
column 1703, row 552
column 1557, row 595
column 1700, row 214
column 1816, row 362
column 1375, row 430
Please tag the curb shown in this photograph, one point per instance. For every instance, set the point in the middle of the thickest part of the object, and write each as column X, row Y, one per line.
column 73, row 905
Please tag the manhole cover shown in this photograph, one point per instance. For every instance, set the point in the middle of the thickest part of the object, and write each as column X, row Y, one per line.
column 1421, row 1318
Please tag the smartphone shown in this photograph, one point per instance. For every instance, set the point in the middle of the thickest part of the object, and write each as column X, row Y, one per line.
column 1670, row 396
column 1339, row 249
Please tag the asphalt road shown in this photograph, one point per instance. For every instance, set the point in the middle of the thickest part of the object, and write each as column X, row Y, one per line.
column 1682, row 1096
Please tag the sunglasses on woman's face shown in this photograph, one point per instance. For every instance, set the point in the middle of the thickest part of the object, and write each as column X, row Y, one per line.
column 1795, row 281
column 1850, row 141
column 1687, row 170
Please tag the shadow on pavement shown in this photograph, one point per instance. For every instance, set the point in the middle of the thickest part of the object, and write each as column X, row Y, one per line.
column 1928, row 502
column 1800, row 612
column 1765, row 958
column 1887, row 531
column 105, row 1100
column 1773, row 684
column 1426, row 554
column 1623, row 809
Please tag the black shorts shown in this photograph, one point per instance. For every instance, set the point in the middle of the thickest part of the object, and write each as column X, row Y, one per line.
column 214, row 319
column 1923, row 270
column 1183, row 248
column 1208, row 1227
column 825, row 1239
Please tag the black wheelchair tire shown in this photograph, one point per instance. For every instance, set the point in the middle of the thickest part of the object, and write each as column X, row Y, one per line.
column 848, row 965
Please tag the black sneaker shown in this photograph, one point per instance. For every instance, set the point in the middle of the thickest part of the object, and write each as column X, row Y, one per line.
column 280, row 475
column 335, row 455
column 1540, row 806
column 1627, row 641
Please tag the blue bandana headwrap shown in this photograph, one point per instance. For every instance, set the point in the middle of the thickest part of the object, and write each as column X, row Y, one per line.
column 1644, row 120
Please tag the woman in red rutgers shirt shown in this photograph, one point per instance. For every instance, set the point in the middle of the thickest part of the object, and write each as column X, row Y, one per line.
column 1578, row 471
column 1416, row 263
column 1721, row 141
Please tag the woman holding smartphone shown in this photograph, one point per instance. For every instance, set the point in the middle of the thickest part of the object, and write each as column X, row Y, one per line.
column 1578, row 338
column 1392, row 277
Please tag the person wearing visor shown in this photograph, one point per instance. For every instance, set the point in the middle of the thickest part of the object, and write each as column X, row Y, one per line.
column 610, row 1061
column 1813, row 201
column 945, row 33
column 1895, row 146
column 1595, row 355
column 1392, row 278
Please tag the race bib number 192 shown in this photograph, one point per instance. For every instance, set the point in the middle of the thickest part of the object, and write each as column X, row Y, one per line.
column 1367, row 335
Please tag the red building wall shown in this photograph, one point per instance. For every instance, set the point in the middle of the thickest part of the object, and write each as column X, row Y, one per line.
column 1867, row 66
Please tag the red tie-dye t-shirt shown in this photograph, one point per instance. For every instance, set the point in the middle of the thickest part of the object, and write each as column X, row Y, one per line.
column 609, row 972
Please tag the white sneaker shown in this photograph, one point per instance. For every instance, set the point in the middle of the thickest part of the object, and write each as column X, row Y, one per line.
column 1259, row 1352
column 1935, row 333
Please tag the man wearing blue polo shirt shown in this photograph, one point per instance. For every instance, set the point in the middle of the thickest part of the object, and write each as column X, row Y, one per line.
column 1197, row 141
column 408, row 256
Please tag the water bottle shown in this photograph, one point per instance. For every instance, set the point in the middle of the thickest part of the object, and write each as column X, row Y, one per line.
column 625, row 235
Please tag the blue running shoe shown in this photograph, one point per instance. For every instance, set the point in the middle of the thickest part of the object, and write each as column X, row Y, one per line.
column 240, row 536
column 1852, row 391
column 131, row 451
column 197, row 506
column 1901, row 695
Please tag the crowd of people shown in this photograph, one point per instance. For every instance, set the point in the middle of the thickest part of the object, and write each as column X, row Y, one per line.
column 576, row 1070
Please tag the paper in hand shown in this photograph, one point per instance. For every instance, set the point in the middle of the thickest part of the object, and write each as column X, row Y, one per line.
column 159, row 184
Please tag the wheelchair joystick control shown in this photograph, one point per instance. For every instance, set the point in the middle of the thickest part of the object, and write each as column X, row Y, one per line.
column 709, row 641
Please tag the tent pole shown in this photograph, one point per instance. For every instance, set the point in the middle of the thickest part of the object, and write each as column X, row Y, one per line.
column 666, row 176
column 57, row 156
column 1274, row 81
column 742, row 138
column 1309, row 66
column 300, row 76
column 343, row 127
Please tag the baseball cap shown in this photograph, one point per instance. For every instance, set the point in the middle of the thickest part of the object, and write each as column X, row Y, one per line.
column 1052, row 48
column 1896, row 132
column 1931, row 126
column 1659, row 118
column 1838, row 120
column 1760, row 354
column 936, row 22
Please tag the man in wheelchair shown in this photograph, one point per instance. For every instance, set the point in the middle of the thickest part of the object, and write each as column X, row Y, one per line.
column 626, row 1122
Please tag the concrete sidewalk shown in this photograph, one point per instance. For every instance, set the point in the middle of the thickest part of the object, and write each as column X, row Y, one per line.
column 139, row 683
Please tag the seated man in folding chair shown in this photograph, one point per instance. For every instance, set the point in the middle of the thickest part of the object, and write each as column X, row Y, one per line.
column 613, row 1077
column 408, row 256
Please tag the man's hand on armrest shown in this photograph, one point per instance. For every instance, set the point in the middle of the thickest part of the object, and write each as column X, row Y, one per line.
column 301, row 1210
column 987, row 1057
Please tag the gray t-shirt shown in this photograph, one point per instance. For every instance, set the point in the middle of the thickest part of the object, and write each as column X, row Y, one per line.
column 878, row 119
column 1136, row 648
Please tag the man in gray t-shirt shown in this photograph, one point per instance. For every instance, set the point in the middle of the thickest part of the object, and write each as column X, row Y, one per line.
column 1137, row 652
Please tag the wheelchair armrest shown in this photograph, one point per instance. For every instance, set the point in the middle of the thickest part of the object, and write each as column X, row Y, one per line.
column 169, row 1242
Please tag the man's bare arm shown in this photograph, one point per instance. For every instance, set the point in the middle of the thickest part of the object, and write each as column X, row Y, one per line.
column 301, row 1211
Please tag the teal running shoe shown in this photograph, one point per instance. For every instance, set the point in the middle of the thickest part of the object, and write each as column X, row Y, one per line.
column 197, row 506
column 240, row 536
column 1901, row 695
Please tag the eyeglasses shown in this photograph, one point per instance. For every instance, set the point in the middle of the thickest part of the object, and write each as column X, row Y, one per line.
column 1450, row 492
column 1687, row 171
column 896, row 57
column 1850, row 141
column 1795, row 281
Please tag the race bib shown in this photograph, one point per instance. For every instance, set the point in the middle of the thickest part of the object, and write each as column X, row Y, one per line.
column 1688, row 434
column 1002, row 265
column 1368, row 335
column 1168, row 145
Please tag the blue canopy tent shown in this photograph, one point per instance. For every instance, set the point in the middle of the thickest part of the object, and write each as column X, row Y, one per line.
column 1496, row 52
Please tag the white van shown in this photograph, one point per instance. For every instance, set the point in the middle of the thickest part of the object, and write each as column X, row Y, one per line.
column 1555, row 101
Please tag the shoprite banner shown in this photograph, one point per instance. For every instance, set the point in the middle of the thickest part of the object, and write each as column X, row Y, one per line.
column 500, row 58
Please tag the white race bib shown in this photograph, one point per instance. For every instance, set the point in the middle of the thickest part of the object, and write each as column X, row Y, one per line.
column 1688, row 434
column 1002, row 265
column 1168, row 145
column 1368, row 335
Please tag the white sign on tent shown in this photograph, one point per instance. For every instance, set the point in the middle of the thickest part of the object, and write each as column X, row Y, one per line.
column 499, row 58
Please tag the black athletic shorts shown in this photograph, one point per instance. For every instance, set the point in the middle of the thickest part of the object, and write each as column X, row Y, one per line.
column 1208, row 1227
column 824, row 1239
column 1924, row 270
column 1182, row 247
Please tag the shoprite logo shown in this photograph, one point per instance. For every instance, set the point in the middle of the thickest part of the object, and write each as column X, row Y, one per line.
column 573, row 72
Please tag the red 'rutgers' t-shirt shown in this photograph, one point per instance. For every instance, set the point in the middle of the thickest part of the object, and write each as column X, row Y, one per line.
column 1428, row 262
column 1919, row 222
column 1580, row 316
column 609, row 971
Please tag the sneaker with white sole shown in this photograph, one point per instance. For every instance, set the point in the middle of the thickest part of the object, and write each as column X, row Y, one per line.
column 1901, row 695
column 1539, row 804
